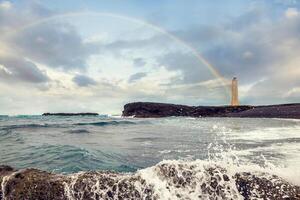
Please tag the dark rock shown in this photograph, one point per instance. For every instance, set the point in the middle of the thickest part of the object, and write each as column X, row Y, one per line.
column 272, row 111
column 33, row 184
column 265, row 187
column 70, row 114
column 147, row 109
column 36, row 184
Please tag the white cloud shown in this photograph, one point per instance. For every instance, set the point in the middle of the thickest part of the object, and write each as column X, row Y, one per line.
column 4, row 69
column 291, row 13
column 5, row 5
column 293, row 92
column 248, row 55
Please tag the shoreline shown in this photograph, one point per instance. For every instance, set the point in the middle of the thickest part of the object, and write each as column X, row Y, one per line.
column 157, row 110
column 187, row 179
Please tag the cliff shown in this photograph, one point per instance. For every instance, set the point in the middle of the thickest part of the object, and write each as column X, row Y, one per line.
column 147, row 109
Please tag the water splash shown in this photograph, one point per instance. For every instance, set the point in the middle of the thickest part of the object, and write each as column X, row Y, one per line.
column 168, row 180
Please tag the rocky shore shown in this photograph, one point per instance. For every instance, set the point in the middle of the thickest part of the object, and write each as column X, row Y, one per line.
column 183, row 181
column 147, row 109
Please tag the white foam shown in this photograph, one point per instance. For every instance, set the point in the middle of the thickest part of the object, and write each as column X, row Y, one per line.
column 267, row 133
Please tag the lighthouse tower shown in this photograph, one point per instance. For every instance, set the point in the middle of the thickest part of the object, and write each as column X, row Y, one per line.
column 234, row 92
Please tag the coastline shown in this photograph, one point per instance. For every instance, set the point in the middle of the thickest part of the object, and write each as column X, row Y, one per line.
column 173, row 179
column 156, row 110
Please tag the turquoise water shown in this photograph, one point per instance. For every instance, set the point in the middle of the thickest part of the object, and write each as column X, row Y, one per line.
column 73, row 144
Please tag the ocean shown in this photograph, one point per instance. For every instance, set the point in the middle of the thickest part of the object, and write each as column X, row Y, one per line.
column 79, row 144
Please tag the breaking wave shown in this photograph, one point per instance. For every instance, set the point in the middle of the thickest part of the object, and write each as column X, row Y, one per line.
column 167, row 180
column 221, row 174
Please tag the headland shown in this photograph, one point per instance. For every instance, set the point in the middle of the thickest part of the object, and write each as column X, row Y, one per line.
column 153, row 110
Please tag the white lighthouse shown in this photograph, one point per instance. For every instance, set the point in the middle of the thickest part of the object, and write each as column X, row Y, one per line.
column 234, row 92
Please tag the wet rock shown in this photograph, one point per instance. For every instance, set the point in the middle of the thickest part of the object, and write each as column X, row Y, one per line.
column 108, row 185
column 4, row 171
column 183, row 181
column 32, row 184
column 265, row 186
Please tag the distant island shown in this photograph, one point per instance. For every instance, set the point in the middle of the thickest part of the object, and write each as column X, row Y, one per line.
column 150, row 109
column 70, row 114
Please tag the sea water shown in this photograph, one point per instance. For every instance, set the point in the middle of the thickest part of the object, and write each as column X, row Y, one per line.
column 77, row 144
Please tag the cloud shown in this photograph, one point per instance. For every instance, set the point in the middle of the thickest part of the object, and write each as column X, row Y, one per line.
column 275, row 90
column 259, row 48
column 136, row 77
column 139, row 62
column 56, row 45
column 287, row 2
column 192, row 69
column 5, row 5
column 83, row 81
column 16, row 69
column 158, row 42
column 251, row 47
column 200, row 35
column 293, row 93
column 291, row 13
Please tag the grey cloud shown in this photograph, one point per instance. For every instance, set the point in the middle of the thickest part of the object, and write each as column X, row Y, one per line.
column 139, row 62
column 275, row 90
column 263, row 50
column 158, row 41
column 287, row 2
column 136, row 77
column 252, row 17
column 245, row 60
column 83, row 81
column 193, row 70
column 36, row 9
column 250, row 47
column 15, row 17
column 18, row 69
column 54, row 44
column 200, row 35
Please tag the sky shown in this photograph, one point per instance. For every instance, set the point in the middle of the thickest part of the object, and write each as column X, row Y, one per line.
column 96, row 56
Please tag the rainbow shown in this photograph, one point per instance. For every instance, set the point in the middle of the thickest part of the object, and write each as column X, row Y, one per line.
column 200, row 58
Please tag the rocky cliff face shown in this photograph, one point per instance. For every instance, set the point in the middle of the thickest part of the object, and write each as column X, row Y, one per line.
column 146, row 109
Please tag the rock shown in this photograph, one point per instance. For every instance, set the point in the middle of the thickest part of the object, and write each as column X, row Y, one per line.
column 265, row 186
column 212, row 182
column 32, row 184
column 147, row 109
column 272, row 111
column 70, row 114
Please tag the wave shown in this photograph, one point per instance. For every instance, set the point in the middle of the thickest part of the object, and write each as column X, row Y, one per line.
column 20, row 126
column 62, row 125
column 106, row 123
column 166, row 180
column 78, row 131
